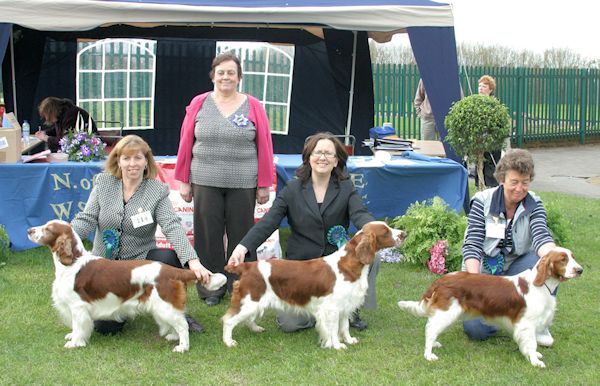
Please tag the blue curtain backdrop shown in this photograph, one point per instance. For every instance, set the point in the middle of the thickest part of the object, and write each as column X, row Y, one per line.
column 435, row 52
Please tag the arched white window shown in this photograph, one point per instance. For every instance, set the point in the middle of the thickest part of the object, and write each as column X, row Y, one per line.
column 267, row 75
column 116, row 80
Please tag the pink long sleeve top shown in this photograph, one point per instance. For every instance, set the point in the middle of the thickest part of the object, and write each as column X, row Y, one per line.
column 264, row 145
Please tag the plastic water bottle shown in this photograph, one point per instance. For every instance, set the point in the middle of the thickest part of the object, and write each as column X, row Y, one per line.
column 26, row 131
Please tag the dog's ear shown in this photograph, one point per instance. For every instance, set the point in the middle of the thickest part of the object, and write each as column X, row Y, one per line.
column 543, row 270
column 366, row 248
column 63, row 247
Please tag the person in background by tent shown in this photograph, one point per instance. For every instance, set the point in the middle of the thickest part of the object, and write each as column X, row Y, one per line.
column 428, row 130
column 1, row 111
column 60, row 115
column 487, row 86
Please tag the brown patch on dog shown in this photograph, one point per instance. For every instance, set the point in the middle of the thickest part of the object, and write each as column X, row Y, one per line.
column 296, row 282
column 523, row 285
column 171, row 285
column 478, row 294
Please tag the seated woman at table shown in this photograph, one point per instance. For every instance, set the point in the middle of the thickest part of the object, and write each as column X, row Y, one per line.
column 124, row 208
column 321, row 197
column 59, row 116
column 507, row 230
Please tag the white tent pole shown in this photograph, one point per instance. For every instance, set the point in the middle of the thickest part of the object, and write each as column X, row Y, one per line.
column 12, row 67
column 351, row 97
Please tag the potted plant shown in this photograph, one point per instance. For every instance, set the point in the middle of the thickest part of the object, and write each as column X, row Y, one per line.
column 476, row 124
column 4, row 245
column 434, row 235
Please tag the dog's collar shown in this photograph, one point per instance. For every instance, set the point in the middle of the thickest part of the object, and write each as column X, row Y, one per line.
column 551, row 291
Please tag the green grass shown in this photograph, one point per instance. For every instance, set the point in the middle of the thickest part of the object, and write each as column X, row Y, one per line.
column 390, row 350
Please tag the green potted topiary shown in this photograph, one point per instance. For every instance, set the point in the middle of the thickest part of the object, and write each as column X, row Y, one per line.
column 476, row 124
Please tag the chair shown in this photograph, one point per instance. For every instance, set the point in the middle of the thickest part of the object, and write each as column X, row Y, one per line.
column 110, row 135
column 348, row 141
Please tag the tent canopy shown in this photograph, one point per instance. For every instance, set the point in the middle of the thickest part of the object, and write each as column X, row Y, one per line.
column 332, row 77
column 355, row 15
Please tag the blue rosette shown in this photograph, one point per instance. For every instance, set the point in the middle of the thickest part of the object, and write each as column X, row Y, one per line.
column 337, row 235
column 110, row 238
column 494, row 264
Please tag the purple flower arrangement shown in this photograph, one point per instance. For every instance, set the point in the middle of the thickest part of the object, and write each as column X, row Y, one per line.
column 390, row 255
column 82, row 147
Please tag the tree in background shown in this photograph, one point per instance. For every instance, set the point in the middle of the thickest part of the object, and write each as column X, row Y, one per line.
column 487, row 56
column 476, row 124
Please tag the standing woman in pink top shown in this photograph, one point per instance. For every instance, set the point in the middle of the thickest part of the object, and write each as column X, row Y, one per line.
column 225, row 163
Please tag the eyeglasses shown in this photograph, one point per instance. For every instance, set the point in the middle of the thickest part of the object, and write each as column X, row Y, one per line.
column 319, row 154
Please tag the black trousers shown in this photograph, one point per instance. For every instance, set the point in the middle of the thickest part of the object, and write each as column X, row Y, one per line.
column 167, row 256
column 490, row 159
column 219, row 211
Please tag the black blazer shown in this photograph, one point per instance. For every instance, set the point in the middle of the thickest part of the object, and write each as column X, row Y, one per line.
column 308, row 223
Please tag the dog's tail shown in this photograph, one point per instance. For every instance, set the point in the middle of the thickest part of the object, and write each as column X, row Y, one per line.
column 415, row 308
column 217, row 280
column 184, row 275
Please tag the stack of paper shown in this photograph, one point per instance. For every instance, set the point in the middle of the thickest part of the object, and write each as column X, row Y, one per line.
column 389, row 143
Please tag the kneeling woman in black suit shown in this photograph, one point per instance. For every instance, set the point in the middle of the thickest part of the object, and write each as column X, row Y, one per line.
column 321, row 197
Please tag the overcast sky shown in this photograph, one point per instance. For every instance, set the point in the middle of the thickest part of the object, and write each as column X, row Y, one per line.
column 535, row 25
column 530, row 24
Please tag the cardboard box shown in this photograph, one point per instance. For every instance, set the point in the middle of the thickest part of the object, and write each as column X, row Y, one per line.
column 10, row 145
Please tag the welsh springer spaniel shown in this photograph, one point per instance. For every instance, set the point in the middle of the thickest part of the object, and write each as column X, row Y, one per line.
column 523, row 304
column 88, row 288
column 330, row 288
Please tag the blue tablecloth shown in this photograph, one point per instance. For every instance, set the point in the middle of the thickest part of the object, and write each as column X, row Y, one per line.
column 31, row 194
column 388, row 188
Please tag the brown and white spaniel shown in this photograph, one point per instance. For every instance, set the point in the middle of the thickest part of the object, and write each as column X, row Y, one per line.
column 88, row 288
column 329, row 288
column 522, row 304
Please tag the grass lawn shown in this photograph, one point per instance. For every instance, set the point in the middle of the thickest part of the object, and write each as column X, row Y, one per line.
column 390, row 351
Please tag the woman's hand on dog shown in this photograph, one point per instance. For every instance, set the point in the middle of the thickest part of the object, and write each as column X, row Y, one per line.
column 238, row 255
column 202, row 273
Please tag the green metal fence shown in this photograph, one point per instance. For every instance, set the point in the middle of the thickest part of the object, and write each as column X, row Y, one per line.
column 545, row 104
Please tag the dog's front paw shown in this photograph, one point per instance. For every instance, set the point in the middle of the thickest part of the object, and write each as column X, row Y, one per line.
column 340, row 346
column 256, row 328
column 69, row 336
column 431, row 357
column 75, row 344
column 436, row 344
column 172, row 336
column 351, row 340
column 329, row 343
column 230, row 343
column 535, row 360
column 181, row 348
column 544, row 338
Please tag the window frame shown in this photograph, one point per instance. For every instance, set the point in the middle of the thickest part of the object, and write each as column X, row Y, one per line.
column 241, row 49
column 142, row 45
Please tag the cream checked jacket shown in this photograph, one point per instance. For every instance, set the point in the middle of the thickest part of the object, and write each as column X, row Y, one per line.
column 105, row 209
